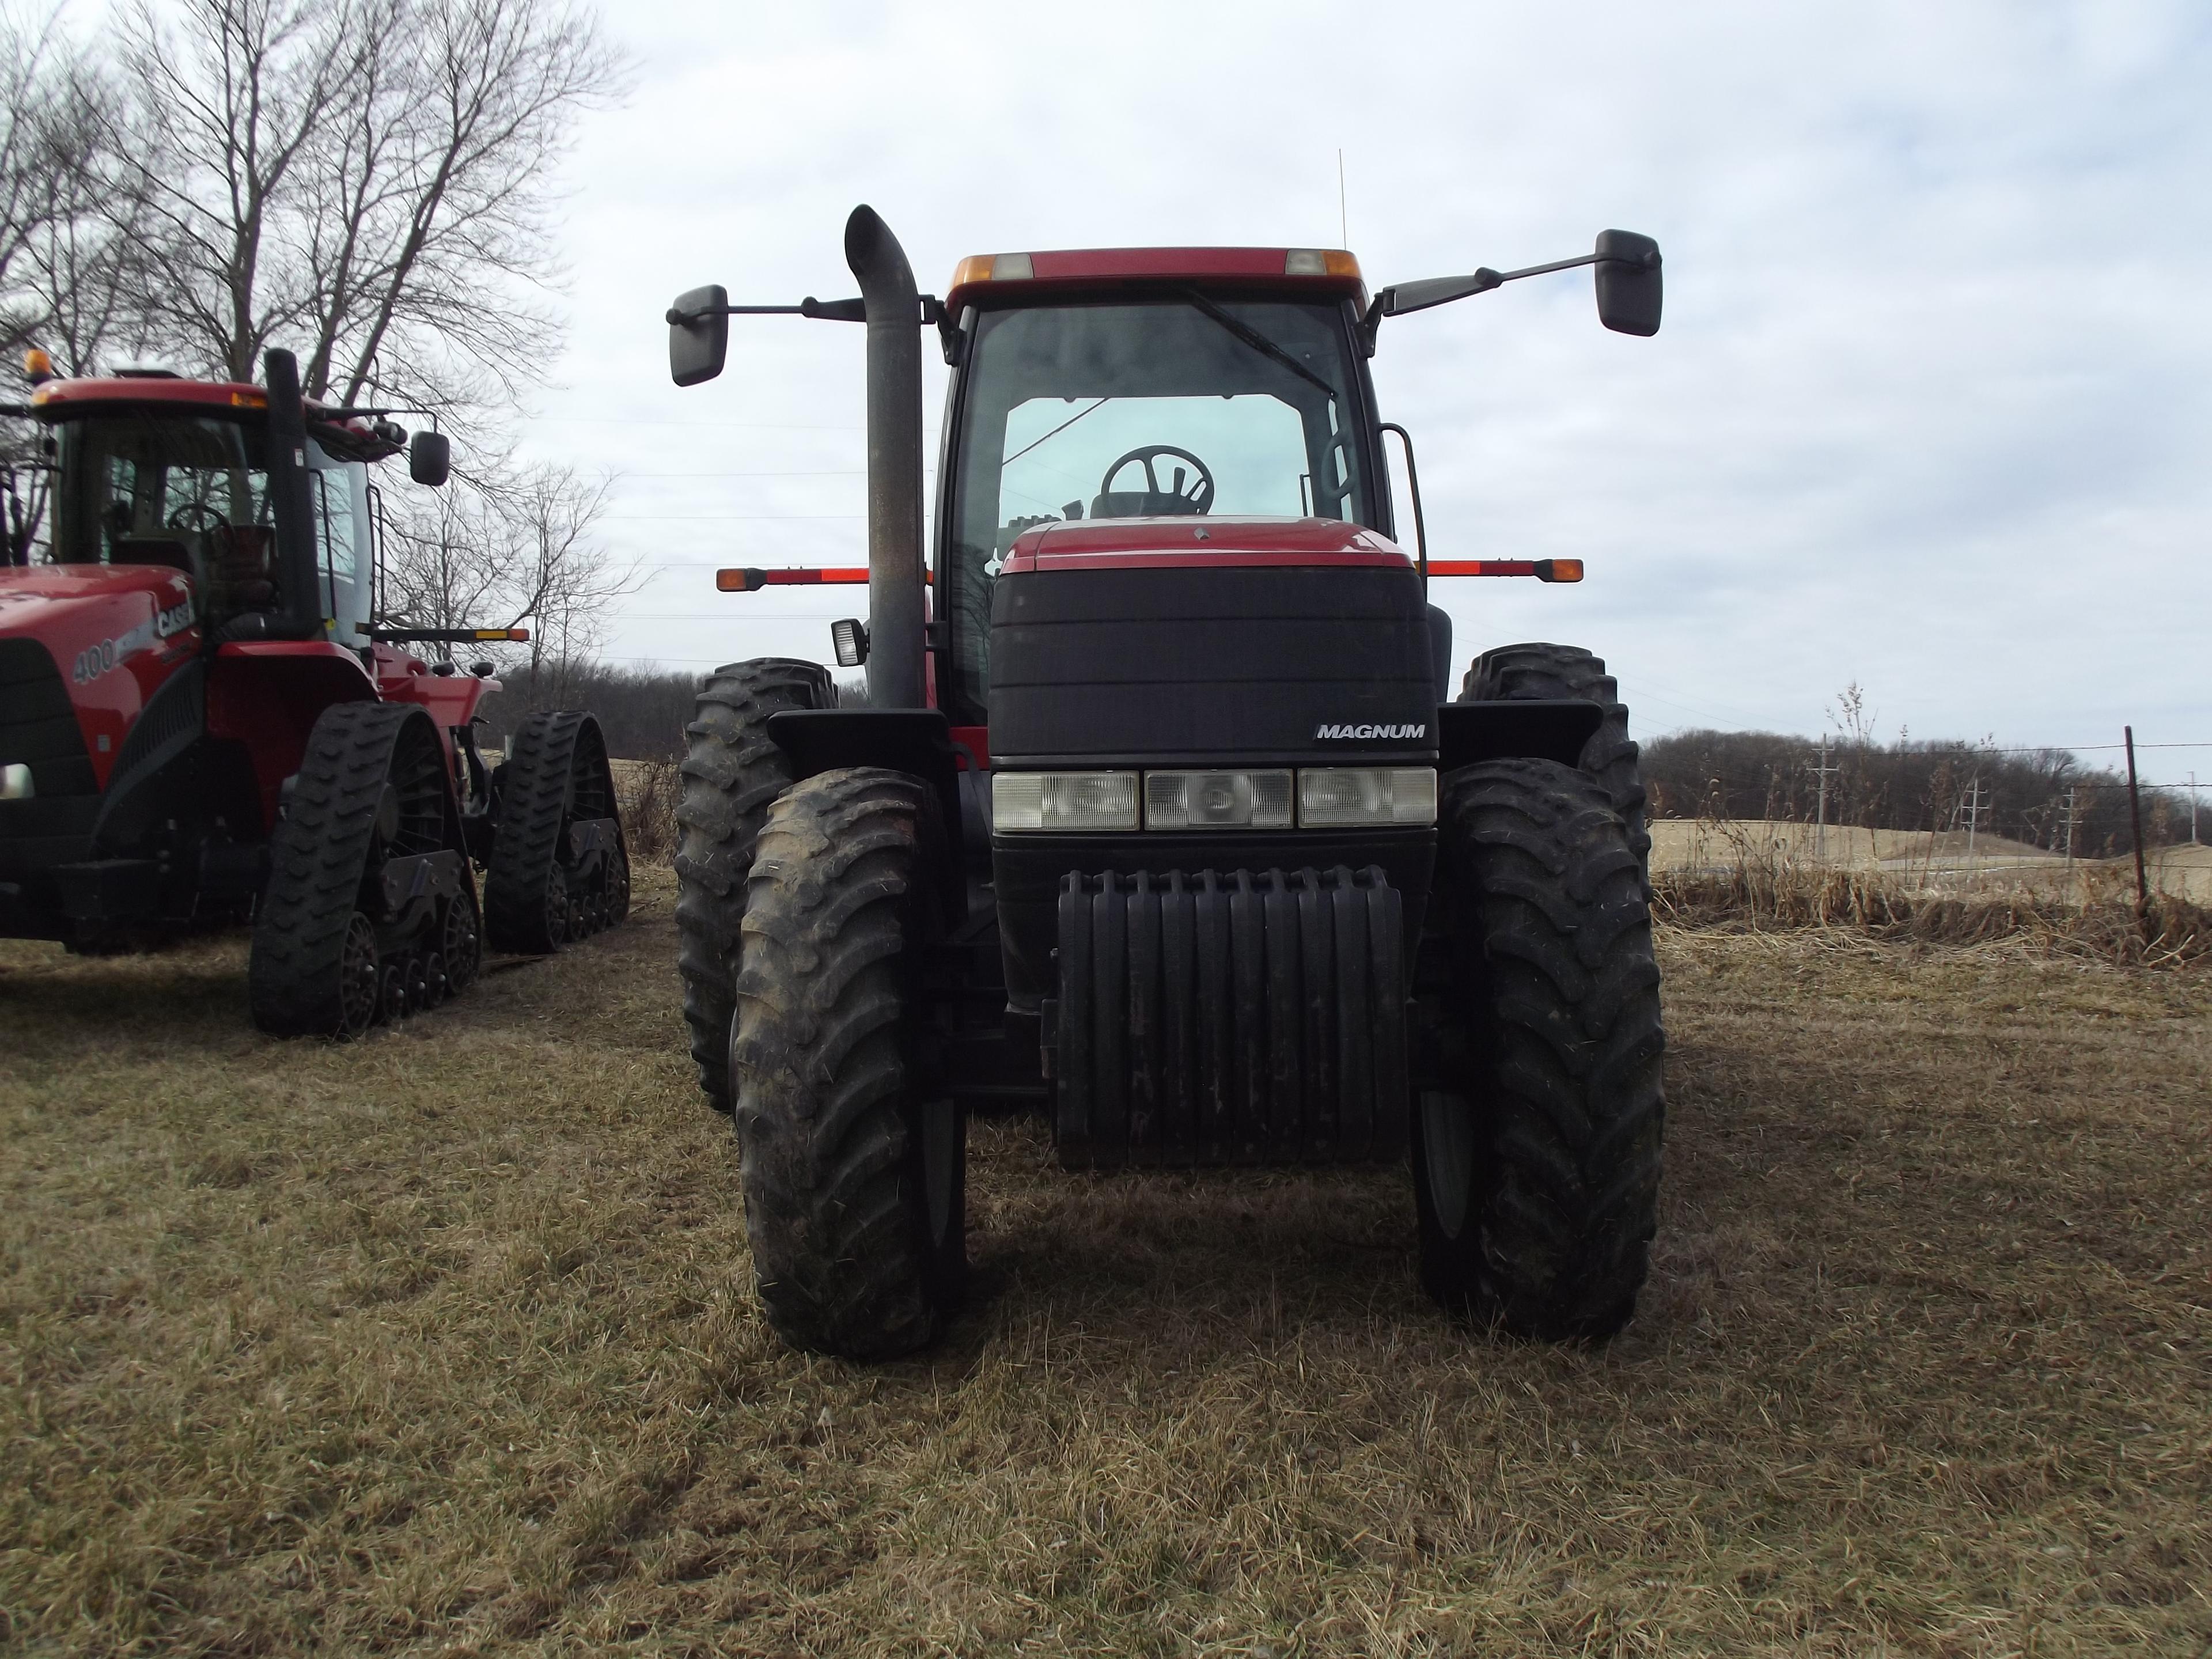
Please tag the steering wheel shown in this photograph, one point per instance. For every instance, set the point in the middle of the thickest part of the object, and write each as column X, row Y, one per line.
column 199, row 515
column 1198, row 499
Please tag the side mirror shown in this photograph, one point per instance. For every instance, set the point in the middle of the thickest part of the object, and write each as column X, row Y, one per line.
column 429, row 458
column 1628, row 283
column 698, row 334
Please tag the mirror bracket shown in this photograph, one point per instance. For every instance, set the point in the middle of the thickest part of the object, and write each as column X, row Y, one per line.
column 1627, row 279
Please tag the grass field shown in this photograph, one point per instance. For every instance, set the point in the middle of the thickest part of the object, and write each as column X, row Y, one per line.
column 442, row 1343
column 1921, row 860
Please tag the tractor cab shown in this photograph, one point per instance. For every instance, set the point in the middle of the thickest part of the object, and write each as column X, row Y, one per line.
column 154, row 472
column 1198, row 388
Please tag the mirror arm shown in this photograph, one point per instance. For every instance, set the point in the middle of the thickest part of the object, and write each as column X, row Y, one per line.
column 1484, row 279
column 831, row 311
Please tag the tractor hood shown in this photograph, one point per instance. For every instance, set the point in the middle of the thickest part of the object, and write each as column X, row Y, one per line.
column 115, row 633
column 1176, row 543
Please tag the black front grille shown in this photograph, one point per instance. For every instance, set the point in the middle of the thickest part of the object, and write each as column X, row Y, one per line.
column 1208, row 664
column 38, row 722
column 38, row 728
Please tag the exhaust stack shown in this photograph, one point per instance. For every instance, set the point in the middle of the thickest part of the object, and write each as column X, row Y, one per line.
column 289, row 507
column 896, row 621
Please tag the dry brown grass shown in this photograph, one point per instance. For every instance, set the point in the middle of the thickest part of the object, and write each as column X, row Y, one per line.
column 441, row 1343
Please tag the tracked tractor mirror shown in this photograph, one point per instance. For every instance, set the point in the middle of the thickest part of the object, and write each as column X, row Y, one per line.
column 698, row 334
column 430, row 458
column 1628, row 283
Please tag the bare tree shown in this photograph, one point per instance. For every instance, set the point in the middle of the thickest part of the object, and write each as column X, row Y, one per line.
column 368, row 182
column 504, row 546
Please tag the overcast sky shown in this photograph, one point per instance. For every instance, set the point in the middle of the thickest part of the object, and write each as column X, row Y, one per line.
column 1928, row 411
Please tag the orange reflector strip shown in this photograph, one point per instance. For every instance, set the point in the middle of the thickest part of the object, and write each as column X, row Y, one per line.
column 512, row 636
column 752, row 580
column 1544, row 570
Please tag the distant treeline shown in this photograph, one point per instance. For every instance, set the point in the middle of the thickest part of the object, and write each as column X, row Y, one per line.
column 1906, row 786
column 643, row 711
column 1736, row 775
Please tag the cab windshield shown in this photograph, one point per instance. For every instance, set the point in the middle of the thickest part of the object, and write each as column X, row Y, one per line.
column 1177, row 407
column 173, row 489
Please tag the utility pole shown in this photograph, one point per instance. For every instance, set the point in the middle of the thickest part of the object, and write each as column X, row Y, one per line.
column 1973, row 822
column 1820, row 831
column 2072, row 817
column 2192, row 809
column 2134, row 823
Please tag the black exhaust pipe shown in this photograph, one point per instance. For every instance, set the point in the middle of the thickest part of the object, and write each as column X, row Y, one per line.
column 896, row 619
column 290, row 508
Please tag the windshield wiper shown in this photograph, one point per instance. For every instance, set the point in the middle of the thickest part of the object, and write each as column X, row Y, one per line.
column 1252, row 336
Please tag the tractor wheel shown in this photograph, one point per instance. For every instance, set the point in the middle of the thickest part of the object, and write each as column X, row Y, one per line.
column 731, row 774
column 1514, row 673
column 537, row 897
column 1537, row 1177
column 853, row 1173
column 371, row 785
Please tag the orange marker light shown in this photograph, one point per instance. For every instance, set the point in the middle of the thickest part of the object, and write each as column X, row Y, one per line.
column 750, row 579
column 1544, row 570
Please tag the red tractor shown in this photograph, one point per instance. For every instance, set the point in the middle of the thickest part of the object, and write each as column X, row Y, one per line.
column 204, row 722
column 1163, row 820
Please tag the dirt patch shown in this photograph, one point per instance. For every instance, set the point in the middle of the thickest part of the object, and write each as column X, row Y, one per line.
column 443, row 1342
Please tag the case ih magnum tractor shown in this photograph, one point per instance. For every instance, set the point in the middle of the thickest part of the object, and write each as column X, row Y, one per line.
column 1164, row 819
column 202, row 723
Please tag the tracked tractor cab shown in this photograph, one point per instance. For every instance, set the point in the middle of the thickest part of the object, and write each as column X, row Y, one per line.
column 1163, row 814
column 205, row 720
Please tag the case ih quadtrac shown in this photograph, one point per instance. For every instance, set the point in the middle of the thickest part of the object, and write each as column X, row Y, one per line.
column 1163, row 819
column 203, row 721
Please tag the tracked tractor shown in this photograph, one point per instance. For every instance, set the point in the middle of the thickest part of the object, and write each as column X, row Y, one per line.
column 206, row 722
column 1163, row 819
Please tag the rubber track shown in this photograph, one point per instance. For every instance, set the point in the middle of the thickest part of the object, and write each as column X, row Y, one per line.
column 819, row 1054
column 533, row 804
column 732, row 771
column 1511, row 674
column 1562, row 998
column 317, row 858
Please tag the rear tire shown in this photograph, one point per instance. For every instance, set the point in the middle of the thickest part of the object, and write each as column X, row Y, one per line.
column 371, row 784
column 732, row 773
column 853, row 1171
column 1536, row 1167
column 1514, row 673
column 556, row 774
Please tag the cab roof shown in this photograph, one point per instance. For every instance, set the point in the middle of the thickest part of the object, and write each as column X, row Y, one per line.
column 1011, row 278
column 58, row 400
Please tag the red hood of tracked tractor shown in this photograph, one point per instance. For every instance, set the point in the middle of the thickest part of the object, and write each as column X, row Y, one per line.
column 1170, row 544
column 116, row 632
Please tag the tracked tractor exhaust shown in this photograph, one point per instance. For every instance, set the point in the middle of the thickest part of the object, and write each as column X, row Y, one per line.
column 895, row 617
column 290, row 505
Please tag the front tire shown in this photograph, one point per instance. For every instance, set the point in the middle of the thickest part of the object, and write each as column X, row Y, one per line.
column 1512, row 673
column 1536, row 1158
column 732, row 771
column 853, row 1170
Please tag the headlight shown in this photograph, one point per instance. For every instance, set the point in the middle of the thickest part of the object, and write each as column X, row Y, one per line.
column 16, row 782
column 1330, row 796
column 1064, row 800
column 1217, row 800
